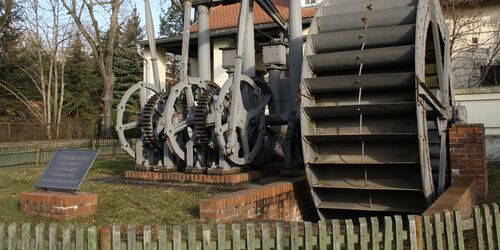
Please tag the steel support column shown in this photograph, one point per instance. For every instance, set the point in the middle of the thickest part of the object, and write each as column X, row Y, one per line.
column 204, row 60
column 249, row 53
column 152, row 44
column 295, row 52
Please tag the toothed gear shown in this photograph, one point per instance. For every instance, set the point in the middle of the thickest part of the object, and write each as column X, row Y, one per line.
column 150, row 118
column 200, row 116
column 201, row 112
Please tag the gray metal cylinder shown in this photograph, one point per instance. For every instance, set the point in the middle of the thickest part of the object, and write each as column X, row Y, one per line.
column 249, row 54
column 295, row 51
column 274, row 84
column 152, row 43
column 204, row 60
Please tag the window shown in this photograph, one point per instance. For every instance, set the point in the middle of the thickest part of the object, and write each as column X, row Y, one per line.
column 491, row 75
column 475, row 40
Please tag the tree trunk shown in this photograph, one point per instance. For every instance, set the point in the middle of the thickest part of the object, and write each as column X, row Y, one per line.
column 107, row 106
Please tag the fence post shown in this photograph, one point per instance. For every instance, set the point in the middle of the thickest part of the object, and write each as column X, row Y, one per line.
column 53, row 236
column 388, row 236
column 9, row 134
column 2, row 236
column 131, row 236
column 420, row 231
column 336, row 236
column 191, row 237
column 177, row 240
column 79, row 238
column 448, row 224
column 250, row 236
column 12, row 237
column 37, row 157
column 399, row 232
column 69, row 130
column 437, row 231
column 363, row 234
column 279, row 236
column 478, row 221
column 488, row 221
column 496, row 215
column 236, row 236
column 116, row 237
column 458, row 230
column 265, row 241
column 66, row 237
column 39, row 239
column 92, row 238
column 105, row 238
column 350, row 237
column 147, row 238
column 375, row 238
column 26, row 236
column 206, row 245
column 322, row 239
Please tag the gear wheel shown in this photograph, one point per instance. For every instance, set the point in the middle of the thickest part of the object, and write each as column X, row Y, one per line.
column 149, row 119
column 200, row 115
column 201, row 112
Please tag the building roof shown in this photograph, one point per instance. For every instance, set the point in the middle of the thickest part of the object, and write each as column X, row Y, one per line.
column 226, row 16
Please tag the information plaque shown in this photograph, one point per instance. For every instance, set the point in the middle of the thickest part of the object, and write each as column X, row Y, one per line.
column 67, row 169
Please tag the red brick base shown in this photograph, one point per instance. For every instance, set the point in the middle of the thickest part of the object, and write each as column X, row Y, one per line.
column 468, row 155
column 230, row 179
column 59, row 206
column 285, row 200
column 461, row 195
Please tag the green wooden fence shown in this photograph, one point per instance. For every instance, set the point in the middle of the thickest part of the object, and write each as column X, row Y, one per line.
column 440, row 231
column 41, row 154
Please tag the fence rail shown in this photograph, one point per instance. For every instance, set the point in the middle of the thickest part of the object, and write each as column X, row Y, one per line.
column 27, row 131
column 440, row 231
column 41, row 154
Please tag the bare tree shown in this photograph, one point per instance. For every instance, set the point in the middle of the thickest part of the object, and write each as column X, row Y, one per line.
column 102, row 44
column 5, row 12
column 45, row 35
column 474, row 40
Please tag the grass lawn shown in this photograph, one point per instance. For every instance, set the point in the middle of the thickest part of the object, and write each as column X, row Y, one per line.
column 137, row 203
column 119, row 202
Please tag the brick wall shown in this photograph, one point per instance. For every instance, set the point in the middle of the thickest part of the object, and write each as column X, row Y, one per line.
column 59, row 206
column 288, row 200
column 461, row 195
column 468, row 155
column 229, row 179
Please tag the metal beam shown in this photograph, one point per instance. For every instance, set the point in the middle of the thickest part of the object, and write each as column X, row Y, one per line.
column 269, row 7
column 152, row 43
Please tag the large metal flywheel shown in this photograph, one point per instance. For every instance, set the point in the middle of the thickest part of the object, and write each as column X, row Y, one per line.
column 375, row 106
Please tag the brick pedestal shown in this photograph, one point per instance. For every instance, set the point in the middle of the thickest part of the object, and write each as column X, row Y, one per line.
column 229, row 179
column 59, row 206
column 288, row 200
column 468, row 155
column 461, row 195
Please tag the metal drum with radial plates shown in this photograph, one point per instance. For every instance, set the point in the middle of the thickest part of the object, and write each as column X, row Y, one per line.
column 375, row 106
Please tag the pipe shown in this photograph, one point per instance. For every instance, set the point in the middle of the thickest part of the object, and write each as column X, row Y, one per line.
column 204, row 43
column 185, row 41
column 249, row 54
column 274, row 84
column 295, row 51
column 152, row 43
column 143, row 94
